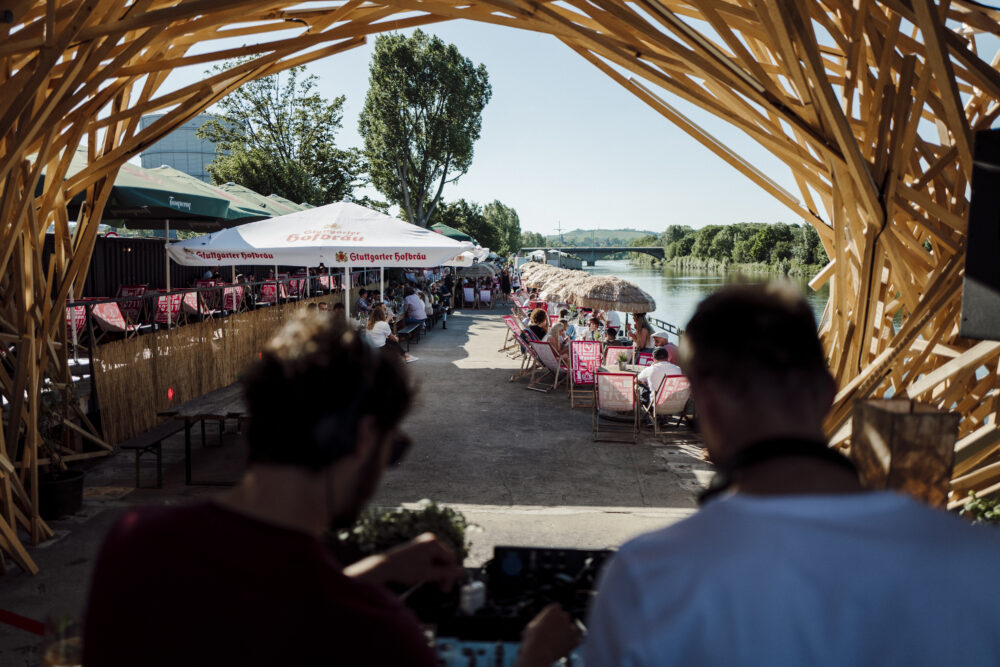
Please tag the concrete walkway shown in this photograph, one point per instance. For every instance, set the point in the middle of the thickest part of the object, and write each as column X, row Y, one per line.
column 519, row 464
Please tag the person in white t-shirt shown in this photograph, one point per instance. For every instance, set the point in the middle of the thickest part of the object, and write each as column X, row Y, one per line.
column 614, row 324
column 790, row 561
column 414, row 307
column 650, row 377
column 379, row 331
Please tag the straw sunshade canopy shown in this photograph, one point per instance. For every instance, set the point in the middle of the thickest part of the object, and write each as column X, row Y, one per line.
column 476, row 271
column 560, row 287
column 612, row 293
column 540, row 277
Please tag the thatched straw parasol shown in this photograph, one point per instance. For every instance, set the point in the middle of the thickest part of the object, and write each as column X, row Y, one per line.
column 611, row 293
column 540, row 277
column 476, row 271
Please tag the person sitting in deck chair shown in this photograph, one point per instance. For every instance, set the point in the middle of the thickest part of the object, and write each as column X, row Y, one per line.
column 651, row 376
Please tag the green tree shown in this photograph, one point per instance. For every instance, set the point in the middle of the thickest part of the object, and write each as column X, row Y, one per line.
column 508, row 227
column 703, row 241
column 532, row 240
column 468, row 217
column 421, row 117
column 721, row 248
column 276, row 135
column 675, row 233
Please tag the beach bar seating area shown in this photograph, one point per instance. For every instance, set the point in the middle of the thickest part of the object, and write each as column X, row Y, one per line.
column 597, row 362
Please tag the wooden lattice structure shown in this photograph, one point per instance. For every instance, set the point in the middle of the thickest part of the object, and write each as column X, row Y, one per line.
column 871, row 104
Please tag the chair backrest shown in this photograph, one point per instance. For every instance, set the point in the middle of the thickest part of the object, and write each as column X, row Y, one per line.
column 518, row 302
column 269, row 293
column 133, row 307
column 190, row 303
column 232, row 297
column 584, row 360
column 513, row 324
column 611, row 354
column 485, row 295
column 546, row 355
column 324, row 282
column 168, row 303
column 673, row 394
column 645, row 359
column 539, row 304
column 204, row 283
column 469, row 293
column 108, row 316
column 615, row 391
column 553, row 319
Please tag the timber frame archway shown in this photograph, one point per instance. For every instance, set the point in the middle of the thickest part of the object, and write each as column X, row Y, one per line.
column 870, row 104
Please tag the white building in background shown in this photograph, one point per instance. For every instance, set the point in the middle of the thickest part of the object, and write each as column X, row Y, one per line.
column 180, row 149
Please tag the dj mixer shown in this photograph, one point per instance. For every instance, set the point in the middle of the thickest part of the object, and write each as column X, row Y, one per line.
column 482, row 624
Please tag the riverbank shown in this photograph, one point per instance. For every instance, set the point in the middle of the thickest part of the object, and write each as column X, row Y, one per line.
column 519, row 464
column 784, row 267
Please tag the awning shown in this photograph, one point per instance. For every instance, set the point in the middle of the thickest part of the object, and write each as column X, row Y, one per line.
column 451, row 232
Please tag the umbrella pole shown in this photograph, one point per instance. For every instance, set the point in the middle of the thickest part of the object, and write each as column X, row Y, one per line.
column 347, row 293
column 381, row 283
column 166, row 257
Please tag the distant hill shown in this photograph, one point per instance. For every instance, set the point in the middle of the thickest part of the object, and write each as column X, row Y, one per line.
column 586, row 237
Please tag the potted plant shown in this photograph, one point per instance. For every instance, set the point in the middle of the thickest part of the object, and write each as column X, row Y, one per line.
column 622, row 360
column 60, row 490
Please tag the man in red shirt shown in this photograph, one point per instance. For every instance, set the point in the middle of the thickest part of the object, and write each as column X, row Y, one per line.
column 244, row 579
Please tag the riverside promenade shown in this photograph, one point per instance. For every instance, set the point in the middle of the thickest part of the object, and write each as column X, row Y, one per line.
column 521, row 465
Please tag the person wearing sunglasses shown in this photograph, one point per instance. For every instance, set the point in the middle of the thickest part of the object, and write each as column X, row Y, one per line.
column 244, row 578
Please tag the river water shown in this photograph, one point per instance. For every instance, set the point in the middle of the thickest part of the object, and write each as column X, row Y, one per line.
column 677, row 293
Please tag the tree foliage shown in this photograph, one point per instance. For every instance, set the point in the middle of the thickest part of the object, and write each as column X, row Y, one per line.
column 745, row 243
column 421, row 117
column 508, row 226
column 276, row 135
column 494, row 226
column 532, row 240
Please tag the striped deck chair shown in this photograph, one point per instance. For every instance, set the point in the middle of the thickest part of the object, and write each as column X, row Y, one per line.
column 232, row 298
column 76, row 321
column 528, row 357
column 644, row 359
column 611, row 355
column 268, row 294
column 109, row 319
column 584, row 361
column 168, row 308
column 546, row 361
column 614, row 400
column 514, row 329
column 195, row 305
column 469, row 297
column 670, row 401
column 486, row 298
column 132, row 309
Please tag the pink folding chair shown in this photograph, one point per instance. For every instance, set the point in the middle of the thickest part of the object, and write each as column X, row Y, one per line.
column 168, row 308
column 514, row 329
column 232, row 298
column 612, row 352
column 546, row 361
column 76, row 321
column 268, row 294
column 616, row 408
column 584, row 361
column 670, row 400
column 194, row 305
column 553, row 319
column 132, row 309
column 109, row 319
column 644, row 359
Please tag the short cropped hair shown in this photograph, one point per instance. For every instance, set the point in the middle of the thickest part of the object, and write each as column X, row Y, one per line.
column 748, row 334
column 661, row 354
column 314, row 382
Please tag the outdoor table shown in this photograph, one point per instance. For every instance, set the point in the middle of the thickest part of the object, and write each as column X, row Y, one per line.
column 221, row 404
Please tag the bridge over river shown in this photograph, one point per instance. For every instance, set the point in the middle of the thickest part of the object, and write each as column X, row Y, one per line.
column 590, row 254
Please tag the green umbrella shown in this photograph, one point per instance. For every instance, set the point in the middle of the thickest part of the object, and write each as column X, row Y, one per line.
column 451, row 232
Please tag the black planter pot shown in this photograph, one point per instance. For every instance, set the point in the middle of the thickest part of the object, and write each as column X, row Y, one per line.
column 60, row 493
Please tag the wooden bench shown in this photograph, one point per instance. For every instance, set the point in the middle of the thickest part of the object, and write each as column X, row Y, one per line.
column 410, row 332
column 150, row 442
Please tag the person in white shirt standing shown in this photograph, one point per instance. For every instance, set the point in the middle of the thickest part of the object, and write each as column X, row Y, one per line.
column 790, row 561
column 651, row 376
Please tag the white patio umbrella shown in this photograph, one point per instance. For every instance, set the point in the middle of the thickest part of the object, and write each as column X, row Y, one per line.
column 464, row 259
column 342, row 235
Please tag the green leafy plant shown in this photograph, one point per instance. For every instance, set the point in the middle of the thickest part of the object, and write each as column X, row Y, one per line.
column 622, row 357
column 981, row 510
column 379, row 529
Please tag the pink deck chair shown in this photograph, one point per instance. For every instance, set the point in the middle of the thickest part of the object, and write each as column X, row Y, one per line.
column 514, row 330
column 486, row 298
column 616, row 408
column 553, row 319
column 469, row 297
column 132, row 309
column 109, row 320
column 232, row 298
column 584, row 361
column 644, row 359
column 76, row 319
column 546, row 361
column 194, row 305
column 268, row 294
column 670, row 401
column 168, row 303
column 611, row 355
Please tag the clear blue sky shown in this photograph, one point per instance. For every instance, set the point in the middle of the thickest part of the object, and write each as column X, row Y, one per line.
column 563, row 143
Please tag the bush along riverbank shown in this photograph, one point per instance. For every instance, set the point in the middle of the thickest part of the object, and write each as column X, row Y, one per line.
column 749, row 247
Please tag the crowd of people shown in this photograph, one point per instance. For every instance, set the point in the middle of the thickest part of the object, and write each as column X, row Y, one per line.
column 788, row 562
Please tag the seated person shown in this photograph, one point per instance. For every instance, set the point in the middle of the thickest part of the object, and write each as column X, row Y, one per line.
column 557, row 337
column 413, row 307
column 362, row 305
column 614, row 324
column 660, row 339
column 379, row 331
column 570, row 329
column 650, row 377
column 538, row 323
column 591, row 331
